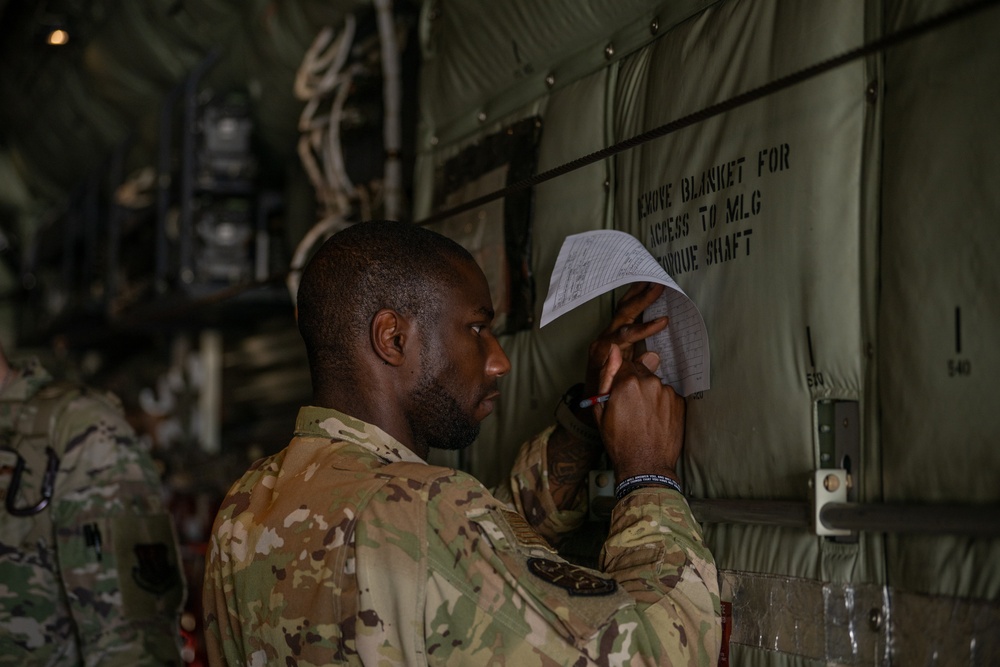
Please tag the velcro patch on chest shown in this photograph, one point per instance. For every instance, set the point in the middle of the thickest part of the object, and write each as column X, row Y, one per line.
column 576, row 580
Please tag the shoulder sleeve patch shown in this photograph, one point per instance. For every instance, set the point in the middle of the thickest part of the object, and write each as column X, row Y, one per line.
column 148, row 566
column 569, row 577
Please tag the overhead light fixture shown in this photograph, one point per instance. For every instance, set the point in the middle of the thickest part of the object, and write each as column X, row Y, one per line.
column 57, row 37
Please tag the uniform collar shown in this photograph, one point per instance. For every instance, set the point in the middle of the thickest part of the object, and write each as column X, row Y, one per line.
column 329, row 423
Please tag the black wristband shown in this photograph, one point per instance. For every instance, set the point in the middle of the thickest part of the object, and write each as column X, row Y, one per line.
column 630, row 484
column 570, row 422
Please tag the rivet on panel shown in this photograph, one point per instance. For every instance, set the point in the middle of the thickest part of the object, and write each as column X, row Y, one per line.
column 831, row 483
column 871, row 93
column 434, row 141
column 607, row 184
column 875, row 619
column 550, row 81
column 482, row 116
column 609, row 51
column 654, row 26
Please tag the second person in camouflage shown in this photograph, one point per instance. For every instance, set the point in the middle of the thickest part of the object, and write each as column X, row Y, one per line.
column 90, row 573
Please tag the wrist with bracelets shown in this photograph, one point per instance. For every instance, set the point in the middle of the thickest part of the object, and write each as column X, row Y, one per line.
column 630, row 484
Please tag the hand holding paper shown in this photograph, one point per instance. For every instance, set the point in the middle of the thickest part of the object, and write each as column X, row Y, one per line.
column 592, row 263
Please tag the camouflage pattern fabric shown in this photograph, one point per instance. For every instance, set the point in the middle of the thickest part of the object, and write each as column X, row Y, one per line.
column 528, row 492
column 347, row 549
column 93, row 578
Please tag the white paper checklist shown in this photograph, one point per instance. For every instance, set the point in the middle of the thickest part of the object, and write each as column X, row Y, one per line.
column 592, row 263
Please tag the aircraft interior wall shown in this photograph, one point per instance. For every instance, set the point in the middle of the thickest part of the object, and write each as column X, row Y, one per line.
column 837, row 236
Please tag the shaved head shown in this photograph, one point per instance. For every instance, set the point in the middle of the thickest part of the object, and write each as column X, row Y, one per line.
column 359, row 271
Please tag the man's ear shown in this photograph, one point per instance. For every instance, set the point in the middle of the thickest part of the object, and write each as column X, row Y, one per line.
column 389, row 336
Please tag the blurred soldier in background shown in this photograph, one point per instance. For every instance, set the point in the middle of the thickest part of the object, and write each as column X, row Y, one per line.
column 89, row 565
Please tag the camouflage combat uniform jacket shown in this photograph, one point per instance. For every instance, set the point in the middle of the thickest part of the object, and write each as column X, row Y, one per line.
column 345, row 548
column 92, row 577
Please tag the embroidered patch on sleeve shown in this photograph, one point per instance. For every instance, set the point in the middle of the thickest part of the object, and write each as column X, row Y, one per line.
column 576, row 580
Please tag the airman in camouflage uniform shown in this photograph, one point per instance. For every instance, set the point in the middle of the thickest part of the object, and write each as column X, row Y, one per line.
column 89, row 566
column 348, row 548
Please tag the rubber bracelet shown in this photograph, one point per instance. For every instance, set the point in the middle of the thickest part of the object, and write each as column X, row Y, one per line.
column 630, row 484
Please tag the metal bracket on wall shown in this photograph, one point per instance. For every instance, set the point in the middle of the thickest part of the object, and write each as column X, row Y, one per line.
column 839, row 426
column 829, row 485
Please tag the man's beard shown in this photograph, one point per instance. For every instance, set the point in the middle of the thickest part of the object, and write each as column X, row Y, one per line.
column 438, row 420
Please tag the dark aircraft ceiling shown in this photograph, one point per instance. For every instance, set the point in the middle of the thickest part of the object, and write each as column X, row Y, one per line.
column 64, row 109
column 84, row 120
column 65, row 106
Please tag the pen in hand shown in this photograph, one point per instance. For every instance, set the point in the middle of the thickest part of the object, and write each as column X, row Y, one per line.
column 594, row 400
